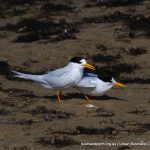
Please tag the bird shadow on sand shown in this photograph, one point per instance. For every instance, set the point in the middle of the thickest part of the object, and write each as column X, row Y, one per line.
column 72, row 96
column 67, row 96
column 107, row 97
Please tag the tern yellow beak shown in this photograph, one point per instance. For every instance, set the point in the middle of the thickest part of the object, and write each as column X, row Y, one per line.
column 118, row 84
column 89, row 66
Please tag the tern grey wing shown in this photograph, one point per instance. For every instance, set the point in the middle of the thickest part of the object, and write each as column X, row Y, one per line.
column 60, row 81
column 87, row 82
column 57, row 72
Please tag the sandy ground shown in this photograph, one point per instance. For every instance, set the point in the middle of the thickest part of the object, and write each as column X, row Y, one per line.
column 36, row 36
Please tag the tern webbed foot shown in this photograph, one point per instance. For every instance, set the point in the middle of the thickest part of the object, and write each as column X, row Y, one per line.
column 89, row 100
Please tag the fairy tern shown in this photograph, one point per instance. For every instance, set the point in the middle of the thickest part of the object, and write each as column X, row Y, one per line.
column 90, row 84
column 61, row 78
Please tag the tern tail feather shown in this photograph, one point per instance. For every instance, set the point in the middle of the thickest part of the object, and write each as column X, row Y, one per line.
column 37, row 78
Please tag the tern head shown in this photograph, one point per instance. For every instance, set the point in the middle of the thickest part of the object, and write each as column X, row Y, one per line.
column 115, row 83
column 81, row 62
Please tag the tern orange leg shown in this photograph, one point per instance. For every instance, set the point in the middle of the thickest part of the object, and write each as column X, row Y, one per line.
column 58, row 96
column 89, row 100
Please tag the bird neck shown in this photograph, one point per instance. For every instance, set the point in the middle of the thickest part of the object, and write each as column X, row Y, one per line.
column 75, row 71
column 74, row 66
column 106, row 85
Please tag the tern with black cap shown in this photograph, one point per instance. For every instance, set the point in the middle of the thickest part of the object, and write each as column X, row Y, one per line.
column 61, row 78
column 92, row 85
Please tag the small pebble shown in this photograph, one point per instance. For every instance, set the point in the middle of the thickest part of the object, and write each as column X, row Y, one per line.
column 91, row 106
